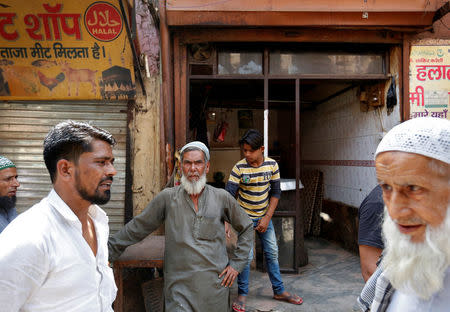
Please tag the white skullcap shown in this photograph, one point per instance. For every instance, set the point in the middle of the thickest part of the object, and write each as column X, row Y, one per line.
column 197, row 145
column 6, row 163
column 425, row 136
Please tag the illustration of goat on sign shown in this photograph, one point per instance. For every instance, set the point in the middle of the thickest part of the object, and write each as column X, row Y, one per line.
column 76, row 76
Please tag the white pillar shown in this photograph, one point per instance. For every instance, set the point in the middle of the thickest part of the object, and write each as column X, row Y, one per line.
column 266, row 132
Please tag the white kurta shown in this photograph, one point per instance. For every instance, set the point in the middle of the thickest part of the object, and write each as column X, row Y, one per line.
column 46, row 264
column 439, row 302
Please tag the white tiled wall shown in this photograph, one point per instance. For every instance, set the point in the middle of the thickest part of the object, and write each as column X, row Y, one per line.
column 339, row 130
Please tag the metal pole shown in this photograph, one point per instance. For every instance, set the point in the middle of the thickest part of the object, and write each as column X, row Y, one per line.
column 301, row 258
column 266, row 103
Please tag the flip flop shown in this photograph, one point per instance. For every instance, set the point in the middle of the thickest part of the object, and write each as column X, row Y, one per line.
column 294, row 299
column 238, row 306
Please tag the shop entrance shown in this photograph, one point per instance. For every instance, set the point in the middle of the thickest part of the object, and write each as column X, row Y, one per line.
column 222, row 110
column 233, row 90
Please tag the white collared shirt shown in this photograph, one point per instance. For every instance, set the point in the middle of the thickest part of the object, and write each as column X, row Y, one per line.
column 46, row 264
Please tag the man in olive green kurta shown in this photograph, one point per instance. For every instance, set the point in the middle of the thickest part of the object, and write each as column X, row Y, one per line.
column 196, row 264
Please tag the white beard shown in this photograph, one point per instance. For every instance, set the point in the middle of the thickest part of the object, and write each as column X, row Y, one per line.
column 416, row 268
column 193, row 187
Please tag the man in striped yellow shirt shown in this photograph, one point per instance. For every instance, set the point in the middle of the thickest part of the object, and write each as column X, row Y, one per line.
column 255, row 183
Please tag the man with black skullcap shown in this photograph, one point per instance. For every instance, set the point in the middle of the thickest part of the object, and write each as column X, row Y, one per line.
column 413, row 169
column 197, row 270
column 8, row 189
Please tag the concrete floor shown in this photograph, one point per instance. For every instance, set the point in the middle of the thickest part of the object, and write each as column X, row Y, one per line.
column 329, row 283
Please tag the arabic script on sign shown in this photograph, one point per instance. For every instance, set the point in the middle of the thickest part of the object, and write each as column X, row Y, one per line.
column 103, row 21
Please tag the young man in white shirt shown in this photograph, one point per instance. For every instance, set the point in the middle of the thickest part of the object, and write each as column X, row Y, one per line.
column 54, row 256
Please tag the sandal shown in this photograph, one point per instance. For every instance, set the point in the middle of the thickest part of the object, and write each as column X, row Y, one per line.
column 294, row 299
column 238, row 306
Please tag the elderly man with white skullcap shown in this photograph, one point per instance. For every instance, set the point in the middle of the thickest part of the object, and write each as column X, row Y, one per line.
column 8, row 189
column 413, row 169
column 197, row 270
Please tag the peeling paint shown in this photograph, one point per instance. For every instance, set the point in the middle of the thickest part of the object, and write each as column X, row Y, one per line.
column 146, row 147
column 144, row 123
column 439, row 34
column 148, row 37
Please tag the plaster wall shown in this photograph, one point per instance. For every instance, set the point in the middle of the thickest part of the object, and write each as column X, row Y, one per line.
column 340, row 139
column 145, row 143
column 439, row 34
column 146, row 173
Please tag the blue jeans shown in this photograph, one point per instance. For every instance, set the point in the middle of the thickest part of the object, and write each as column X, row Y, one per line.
column 270, row 250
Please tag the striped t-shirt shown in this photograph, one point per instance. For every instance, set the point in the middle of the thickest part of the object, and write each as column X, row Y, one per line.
column 255, row 186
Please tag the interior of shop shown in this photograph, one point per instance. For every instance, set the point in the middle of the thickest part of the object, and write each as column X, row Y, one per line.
column 341, row 92
column 222, row 110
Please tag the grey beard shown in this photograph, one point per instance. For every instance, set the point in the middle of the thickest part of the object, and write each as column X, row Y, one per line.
column 194, row 187
column 7, row 202
column 416, row 268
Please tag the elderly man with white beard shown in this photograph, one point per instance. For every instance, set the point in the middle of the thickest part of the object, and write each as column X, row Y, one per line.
column 197, row 270
column 413, row 169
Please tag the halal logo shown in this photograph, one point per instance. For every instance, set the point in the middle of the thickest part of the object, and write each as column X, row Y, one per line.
column 103, row 21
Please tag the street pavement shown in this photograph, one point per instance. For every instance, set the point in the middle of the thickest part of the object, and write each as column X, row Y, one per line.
column 329, row 283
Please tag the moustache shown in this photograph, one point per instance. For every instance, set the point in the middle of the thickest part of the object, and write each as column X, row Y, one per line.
column 409, row 221
column 106, row 179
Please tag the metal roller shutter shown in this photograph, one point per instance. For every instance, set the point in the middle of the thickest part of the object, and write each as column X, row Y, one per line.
column 23, row 127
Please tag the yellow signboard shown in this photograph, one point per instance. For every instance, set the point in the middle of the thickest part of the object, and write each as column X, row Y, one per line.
column 72, row 50
column 429, row 81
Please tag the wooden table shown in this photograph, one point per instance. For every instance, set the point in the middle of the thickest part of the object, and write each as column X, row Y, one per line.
column 149, row 253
